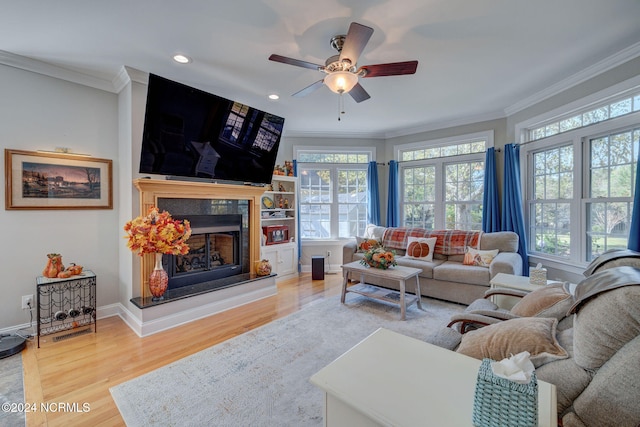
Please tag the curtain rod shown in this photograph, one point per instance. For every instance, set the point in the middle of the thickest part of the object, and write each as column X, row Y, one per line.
column 497, row 150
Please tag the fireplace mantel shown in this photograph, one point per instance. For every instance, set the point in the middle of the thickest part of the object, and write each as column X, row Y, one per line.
column 150, row 190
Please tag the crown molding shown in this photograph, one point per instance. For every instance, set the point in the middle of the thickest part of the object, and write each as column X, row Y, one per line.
column 127, row 75
column 461, row 121
column 594, row 70
column 494, row 115
column 317, row 134
column 47, row 69
column 137, row 76
column 121, row 80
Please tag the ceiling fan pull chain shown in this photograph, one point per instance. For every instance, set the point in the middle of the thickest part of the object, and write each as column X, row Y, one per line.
column 340, row 106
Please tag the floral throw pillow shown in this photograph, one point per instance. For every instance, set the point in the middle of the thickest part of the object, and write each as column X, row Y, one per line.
column 421, row 248
column 479, row 258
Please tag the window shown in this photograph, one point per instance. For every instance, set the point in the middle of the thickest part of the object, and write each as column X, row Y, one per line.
column 333, row 192
column 580, row 186
column 604, row 110
column 454, row 149
column 419, row 198
column 442, row 182
column 464, row 184
column 550, row 209
column 612, row 164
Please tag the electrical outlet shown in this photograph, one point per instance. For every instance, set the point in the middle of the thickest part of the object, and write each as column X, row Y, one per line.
column 26, row 301
column 328, row 254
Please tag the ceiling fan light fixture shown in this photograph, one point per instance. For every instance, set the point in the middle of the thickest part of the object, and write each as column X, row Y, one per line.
column 341, row 81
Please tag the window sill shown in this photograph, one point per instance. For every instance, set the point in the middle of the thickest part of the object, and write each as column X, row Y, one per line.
column 564, row 265
column 323, row 242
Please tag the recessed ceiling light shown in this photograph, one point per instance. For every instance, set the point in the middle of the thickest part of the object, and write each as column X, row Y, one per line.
column 181, row 59
column 274, row 96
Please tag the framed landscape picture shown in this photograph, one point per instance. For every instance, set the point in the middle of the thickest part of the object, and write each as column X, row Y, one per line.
column 37, row 180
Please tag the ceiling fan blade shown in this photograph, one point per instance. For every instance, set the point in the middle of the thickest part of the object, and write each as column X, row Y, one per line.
column 296, row 62
column 357, row 38
column 307, row 90
column 358, row 93
column 390, row 69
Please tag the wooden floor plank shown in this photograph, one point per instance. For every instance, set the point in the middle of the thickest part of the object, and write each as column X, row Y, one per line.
column 81, row 369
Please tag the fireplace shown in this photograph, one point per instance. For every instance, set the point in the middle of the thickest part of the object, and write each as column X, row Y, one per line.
column 185, row 199
column 215, row 251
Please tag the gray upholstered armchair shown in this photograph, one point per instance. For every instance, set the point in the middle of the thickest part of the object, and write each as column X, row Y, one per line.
column 595, row 363
column 613, row 258
column 552, row 300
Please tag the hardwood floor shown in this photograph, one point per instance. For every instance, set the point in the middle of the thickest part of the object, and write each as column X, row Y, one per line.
column 80, row 370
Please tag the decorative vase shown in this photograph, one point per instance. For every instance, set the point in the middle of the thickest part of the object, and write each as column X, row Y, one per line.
column 158, row 280
column 263, row 267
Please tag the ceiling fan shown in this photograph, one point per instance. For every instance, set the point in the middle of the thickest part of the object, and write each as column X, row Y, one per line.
column 341, row 70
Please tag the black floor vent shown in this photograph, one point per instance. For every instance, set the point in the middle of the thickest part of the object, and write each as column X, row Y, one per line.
column 71, row 335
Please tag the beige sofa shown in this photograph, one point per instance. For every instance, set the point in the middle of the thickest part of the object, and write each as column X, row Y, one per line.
column 446, row 277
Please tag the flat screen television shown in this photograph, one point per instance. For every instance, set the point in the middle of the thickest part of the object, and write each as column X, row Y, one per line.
column 191, row 133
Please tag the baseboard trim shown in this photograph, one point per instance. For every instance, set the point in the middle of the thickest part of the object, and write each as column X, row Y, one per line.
column 149, row 321
column 330, row 269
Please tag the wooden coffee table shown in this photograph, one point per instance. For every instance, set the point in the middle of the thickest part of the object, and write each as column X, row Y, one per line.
column 397, row 273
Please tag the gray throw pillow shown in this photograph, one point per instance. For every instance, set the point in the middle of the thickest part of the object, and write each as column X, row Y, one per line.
column 499, row 341
column 549, row 301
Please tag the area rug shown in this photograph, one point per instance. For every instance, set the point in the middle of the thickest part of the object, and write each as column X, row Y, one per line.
column 261, row 378
column 11, row 391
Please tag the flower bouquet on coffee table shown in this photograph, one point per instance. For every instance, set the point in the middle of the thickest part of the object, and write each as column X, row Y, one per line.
column 379, row 257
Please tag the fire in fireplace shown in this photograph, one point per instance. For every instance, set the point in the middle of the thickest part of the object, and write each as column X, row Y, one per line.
column 215, row 251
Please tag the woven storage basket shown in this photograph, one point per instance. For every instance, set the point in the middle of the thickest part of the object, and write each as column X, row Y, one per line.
column 499, row 402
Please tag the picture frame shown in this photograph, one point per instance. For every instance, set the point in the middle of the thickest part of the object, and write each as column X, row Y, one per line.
column 43, row 180
column 276, row 234
column 267, row 202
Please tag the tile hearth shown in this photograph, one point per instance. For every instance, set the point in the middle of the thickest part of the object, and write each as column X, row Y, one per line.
column 197, row 289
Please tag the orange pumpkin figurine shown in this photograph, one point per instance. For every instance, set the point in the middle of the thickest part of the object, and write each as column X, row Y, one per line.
column 64, row 274
column 54, row 266
column 74, row 269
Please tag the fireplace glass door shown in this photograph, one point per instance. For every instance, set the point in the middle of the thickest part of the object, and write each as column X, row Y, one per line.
column 207, row 252
column 215, row 251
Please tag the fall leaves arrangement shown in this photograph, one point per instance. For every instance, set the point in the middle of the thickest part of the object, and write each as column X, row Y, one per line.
column 158, row 232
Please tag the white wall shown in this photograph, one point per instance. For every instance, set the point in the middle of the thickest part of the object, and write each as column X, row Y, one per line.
column 39, row 112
